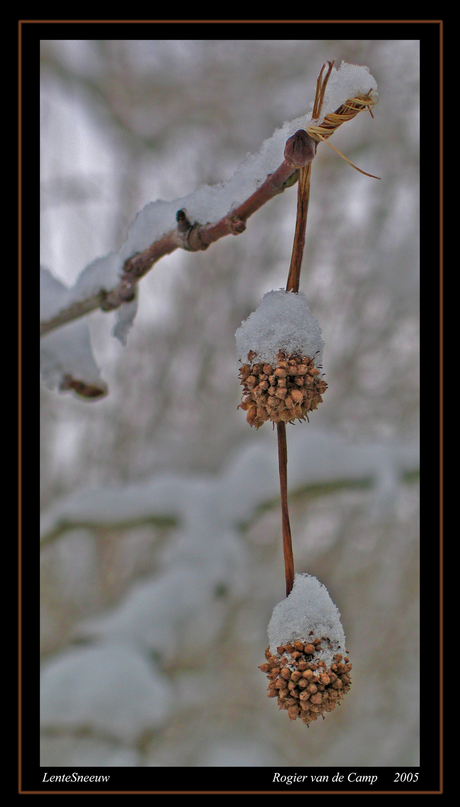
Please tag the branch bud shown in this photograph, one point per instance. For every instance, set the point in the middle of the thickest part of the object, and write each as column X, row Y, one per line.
column 300, row 149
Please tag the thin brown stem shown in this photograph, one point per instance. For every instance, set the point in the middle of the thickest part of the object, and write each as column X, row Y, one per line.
column 292, row 285
column 321, row 85
column 287, row 542
column 303, row 191
column 296, row 144
column 303, row 196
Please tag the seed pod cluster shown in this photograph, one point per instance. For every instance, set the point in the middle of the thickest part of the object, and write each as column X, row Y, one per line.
column 282, row 392
column 304, row 685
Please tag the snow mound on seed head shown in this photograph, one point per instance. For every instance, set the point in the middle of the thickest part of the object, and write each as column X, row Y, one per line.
column 282, row 321
column 307, row 608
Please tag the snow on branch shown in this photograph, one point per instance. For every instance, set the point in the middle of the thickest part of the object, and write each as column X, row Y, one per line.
column 192, row 223
column 66, row 357
column 187, row 501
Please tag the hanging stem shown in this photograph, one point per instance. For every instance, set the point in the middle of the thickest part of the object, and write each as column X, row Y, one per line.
column 303, row 196
column 293, row 282
column 287, row 542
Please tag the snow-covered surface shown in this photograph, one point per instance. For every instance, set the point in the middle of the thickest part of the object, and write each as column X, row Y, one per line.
column 102, row 273
column 307, row 613
column 54, row 295
column 215, row 503
column 174, row 615
column 178, row 613
column 112, row 688
column 67, row 353
column 282, row 321
column 114, row 685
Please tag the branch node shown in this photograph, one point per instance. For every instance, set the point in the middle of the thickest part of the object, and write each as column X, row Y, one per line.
column 183, row 223
column 192, row 241
column 106, row 304
column 236, row 225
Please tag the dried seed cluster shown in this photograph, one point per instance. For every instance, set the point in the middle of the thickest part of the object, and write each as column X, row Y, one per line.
column 288, row 390
column 304, row 686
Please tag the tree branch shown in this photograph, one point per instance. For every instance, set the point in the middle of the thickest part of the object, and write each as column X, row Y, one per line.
column 192, row 237
column 299, row 152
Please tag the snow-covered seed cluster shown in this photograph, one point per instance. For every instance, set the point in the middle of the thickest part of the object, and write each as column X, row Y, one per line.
column 284, row 392
column 306, row 667
column 280, row 349
column 305, row 687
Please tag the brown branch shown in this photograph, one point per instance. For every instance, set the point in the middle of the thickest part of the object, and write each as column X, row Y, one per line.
column 298, row 155
column 191, row 237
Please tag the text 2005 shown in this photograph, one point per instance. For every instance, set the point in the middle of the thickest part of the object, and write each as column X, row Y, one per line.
column 406, row 777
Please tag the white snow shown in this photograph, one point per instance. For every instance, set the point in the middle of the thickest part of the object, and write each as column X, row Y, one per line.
column 209, row 203
column 113, row 688
column 307, row 608
column 175, row 614
column 53, row 294
column 124, row 317
column 347, row 82
column 67, row 351
column 102, row 273
column 282, row 321
column 213, row 504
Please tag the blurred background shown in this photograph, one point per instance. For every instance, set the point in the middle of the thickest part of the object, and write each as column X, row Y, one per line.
column 161, row 554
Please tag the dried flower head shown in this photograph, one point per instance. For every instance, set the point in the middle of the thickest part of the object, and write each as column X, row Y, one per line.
column 307, row 666
column 288, row 391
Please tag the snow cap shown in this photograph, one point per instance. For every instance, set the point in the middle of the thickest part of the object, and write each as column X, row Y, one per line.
column 349, row 81
column 282, row 321
column 307, row 613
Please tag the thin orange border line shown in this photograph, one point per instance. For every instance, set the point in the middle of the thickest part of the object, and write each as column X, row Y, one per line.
column 441, row 400
column 19, row 416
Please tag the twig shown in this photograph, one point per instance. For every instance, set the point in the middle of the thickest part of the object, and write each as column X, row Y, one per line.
column 293, row 281
column 303, row 196
column 192, row 237
column 299, row 152
column 287, row 541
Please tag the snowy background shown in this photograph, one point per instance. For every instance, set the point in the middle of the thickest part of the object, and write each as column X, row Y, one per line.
column 161, row 555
